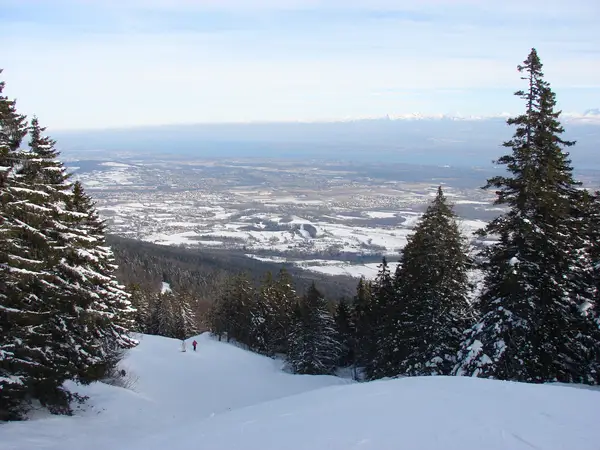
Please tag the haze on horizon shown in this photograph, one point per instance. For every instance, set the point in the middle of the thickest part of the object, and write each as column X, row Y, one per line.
column 99, row 64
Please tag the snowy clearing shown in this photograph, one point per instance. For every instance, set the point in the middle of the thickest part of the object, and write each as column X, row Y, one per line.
column 224, row 398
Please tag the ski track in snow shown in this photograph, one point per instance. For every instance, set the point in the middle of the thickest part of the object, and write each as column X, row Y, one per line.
column 224, row 398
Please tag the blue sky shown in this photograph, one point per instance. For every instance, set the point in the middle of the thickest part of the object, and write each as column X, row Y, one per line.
column 104, row 63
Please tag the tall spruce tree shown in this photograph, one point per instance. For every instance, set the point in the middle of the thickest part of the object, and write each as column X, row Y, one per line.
column 90, row 286
column 272, row 314
column 54, row 319
column 531, row 328
column 433, row 288
column 232, row 313
column 385, row 322
column 314, row 347
column 346, row 331
column 365, row 320
column 32, row 200
column 15, row 362
column 185, row 319
column 13, row 128
column 140, row 301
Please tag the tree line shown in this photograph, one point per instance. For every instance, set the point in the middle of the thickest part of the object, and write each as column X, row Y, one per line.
column 535, row 319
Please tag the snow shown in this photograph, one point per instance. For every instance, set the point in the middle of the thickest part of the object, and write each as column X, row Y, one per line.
column 114, row 164
column 331, row 267
column 380, row 214
column 225, row 398
column 166, row 287
column 173, row 388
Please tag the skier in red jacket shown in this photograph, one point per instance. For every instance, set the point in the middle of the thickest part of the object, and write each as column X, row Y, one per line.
column 194, row 345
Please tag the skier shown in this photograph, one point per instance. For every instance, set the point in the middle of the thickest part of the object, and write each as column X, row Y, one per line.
column 194, row 344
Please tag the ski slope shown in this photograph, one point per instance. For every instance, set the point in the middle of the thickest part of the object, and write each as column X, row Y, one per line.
column 224, row 398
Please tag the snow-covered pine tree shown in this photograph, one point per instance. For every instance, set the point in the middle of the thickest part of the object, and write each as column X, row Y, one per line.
column 272, row 313
column 591, row 309
column 88, row 268
column 13, row 128
column 346, row 332
column 51, row 334
column 140, row 303
column 161, row 317
column 15, row 361
column 594, row 247
column 433, row 288
column 185, row 319
column 313, row 344
column 31, row 200
column 231, row 314
column 365, row 322
column 285, row 299
column 263, row 317
column 531, row 328
column 385, row 310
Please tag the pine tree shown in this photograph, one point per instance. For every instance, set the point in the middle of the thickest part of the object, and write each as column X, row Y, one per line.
column 346, row 332
column 161, row 316
column 32, row 200
column 13, row 128
column 263, row 317
column 532, row 328
column 285, row 299
column 433, row 288
column 365, row 322
column 385, row 309
column 14, row 360
column 313, row 344
column 140, row 303
column 231, row 315
column 594, row 247
column 58, row 321
column 272, row 313
column 87, row 270
column 185, row 319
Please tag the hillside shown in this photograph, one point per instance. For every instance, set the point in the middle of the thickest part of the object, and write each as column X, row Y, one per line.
column 223, row 397
column 202, row 271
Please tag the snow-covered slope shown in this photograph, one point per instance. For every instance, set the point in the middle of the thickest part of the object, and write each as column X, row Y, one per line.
column 222, row 397
column 173, row 388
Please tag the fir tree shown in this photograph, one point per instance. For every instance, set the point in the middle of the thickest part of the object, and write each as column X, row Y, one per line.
column 346, row 332
column 161, row 316
column 88, row 273
column 33, row 315
column 231, row 314
column 365, row 322
column 140, row 303
column 185, row 319
column 313, row 344
column 58, row 320
column 384, row 312
column 15, row 362
column 13, row 128
column 532, row 328
column 263, row 317
column 433, row 287
column 272, row 314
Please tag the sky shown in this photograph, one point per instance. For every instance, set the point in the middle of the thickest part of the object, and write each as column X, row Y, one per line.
column 93, row 64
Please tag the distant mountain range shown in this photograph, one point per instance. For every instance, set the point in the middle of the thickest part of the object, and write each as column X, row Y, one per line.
column 415, row 139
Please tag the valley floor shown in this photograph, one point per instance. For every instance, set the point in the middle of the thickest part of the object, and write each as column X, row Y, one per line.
column 222, row 397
